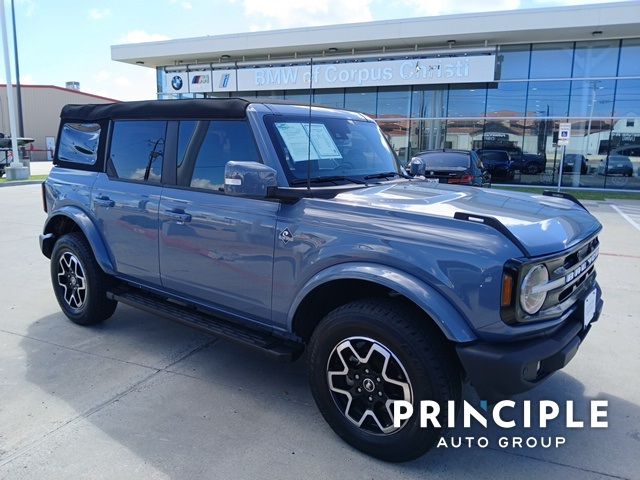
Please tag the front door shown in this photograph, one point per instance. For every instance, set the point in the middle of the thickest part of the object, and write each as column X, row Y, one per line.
column 125, row 200
column 214, row 248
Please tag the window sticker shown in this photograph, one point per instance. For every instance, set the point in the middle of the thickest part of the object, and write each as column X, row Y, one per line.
column 296, row 138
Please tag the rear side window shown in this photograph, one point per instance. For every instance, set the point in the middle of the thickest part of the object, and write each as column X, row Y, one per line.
column 205, row 147
column 137, row 150
column 79, row 143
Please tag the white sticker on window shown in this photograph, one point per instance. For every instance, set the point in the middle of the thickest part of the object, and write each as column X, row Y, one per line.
column 296, row 138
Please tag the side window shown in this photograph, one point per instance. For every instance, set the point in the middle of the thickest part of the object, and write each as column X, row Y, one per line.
column 79, row 143
column 137, row 150
column 205, row 147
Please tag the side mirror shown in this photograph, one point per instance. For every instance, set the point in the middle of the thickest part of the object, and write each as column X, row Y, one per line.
column 248, row 179
column 416, row 167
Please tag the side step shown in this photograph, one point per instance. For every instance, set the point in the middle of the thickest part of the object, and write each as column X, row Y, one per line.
column 281, row 349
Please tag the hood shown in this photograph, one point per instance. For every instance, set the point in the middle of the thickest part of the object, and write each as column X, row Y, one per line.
column 543, row 224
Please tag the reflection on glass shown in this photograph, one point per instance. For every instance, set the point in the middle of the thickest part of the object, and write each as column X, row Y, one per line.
column 460, row 134
column 429, row 102
column 592, row 98
column 393, row 102
column 274, row 94
column 426, row 135
column 596, row 59
column 623, row 163
column 300, row 96
column 330, row 97
column 629, row 58
column 506, row 99
column 397, row 134
column 467, row 100
column 587, row 147
column 627, row 103
column 361, row 100
column 548, row 99
column 551, row 60
column 513, row 62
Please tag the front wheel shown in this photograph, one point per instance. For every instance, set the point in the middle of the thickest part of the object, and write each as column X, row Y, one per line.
column 368, row 354
column 78, row 282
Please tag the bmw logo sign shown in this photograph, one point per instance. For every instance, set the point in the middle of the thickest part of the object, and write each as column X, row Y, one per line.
column 176, row 82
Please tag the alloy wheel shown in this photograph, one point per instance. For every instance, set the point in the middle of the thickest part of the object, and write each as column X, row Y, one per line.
column 72, row 279
column 365, row 379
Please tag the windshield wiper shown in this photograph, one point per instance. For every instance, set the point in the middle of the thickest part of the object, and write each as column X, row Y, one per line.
column 335, row 178
column 383, row 175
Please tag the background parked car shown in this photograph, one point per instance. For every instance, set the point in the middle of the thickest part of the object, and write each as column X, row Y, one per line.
column 575, row 162
column 616, row 165
column 530, row 163
column 454, row 166
column 498, row 163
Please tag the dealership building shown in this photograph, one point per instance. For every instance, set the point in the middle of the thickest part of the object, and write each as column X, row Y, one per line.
column 500, row 80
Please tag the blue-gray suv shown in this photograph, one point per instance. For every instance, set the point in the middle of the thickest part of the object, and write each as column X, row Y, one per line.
column 290, row 228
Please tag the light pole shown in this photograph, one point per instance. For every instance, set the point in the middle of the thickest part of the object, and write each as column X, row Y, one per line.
column 15, row 171
column 17, row 62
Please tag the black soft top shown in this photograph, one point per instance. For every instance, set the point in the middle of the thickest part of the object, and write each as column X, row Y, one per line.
column 165, row 109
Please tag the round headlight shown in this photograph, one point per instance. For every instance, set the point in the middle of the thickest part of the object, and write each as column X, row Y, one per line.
column 529, row 301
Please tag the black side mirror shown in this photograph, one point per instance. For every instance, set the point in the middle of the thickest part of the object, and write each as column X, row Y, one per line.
column 416, row 167
column 248, row 179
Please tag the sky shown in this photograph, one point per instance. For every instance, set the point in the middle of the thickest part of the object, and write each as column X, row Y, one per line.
column 67, row 40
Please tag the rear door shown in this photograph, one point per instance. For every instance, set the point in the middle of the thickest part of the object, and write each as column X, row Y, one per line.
column 125, row 199
column 214, row 248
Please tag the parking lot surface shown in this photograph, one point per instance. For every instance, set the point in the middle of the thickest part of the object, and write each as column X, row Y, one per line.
column 143, row 397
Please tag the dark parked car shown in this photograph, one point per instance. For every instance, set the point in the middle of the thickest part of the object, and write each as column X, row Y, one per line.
column 530, row 163
column 575, row 162
column 616, row 165
column 462, row 167
column 289, row 229
column 498, row 163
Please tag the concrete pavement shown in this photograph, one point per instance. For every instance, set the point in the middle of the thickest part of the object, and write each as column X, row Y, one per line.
column 143, row 397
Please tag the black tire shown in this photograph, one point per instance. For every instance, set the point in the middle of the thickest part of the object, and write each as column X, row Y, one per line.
column 78, row 281
column 429, row 363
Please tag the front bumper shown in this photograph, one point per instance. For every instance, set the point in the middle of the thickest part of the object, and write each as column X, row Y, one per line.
column 498, row 371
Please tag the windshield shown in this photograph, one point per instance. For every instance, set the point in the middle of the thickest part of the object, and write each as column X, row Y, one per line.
column 331, row 149
column 445, row 160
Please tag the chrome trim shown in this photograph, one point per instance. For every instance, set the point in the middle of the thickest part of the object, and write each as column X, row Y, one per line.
column 570, row 277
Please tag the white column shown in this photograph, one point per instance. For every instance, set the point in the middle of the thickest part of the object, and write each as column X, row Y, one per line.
column 20, row 171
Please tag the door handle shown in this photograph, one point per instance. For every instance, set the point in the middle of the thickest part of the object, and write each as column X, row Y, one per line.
column 103, row 202
column 178, row 217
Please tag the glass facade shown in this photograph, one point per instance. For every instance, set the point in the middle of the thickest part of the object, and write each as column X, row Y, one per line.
column 594, row 85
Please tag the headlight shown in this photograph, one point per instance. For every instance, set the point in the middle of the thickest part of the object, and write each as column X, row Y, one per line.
column 529, row 301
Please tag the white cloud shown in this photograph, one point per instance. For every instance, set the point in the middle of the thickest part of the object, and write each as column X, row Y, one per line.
column 27, row 6
column 27, row 79
column 186, row 5
column 99, row 14
column 140, row 36
column 446, row 7
column 300, row 13
column 121, row 82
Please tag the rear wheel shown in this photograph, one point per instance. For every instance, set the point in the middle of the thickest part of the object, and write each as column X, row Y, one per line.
column 78, row 282
column 368, row 354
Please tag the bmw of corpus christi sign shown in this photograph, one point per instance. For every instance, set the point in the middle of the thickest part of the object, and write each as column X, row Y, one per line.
column 420, row 71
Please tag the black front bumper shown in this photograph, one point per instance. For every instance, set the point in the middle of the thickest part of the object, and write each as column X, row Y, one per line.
column 498, row 371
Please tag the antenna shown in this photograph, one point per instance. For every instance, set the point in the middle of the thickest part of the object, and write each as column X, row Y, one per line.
column 309, row 132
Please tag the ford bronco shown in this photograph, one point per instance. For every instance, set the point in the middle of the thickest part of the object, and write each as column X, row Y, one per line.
column 290, row 228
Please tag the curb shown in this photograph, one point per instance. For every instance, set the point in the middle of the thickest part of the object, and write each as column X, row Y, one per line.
column 20, row 182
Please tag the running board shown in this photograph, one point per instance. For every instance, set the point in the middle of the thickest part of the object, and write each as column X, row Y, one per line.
column 281, row 349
